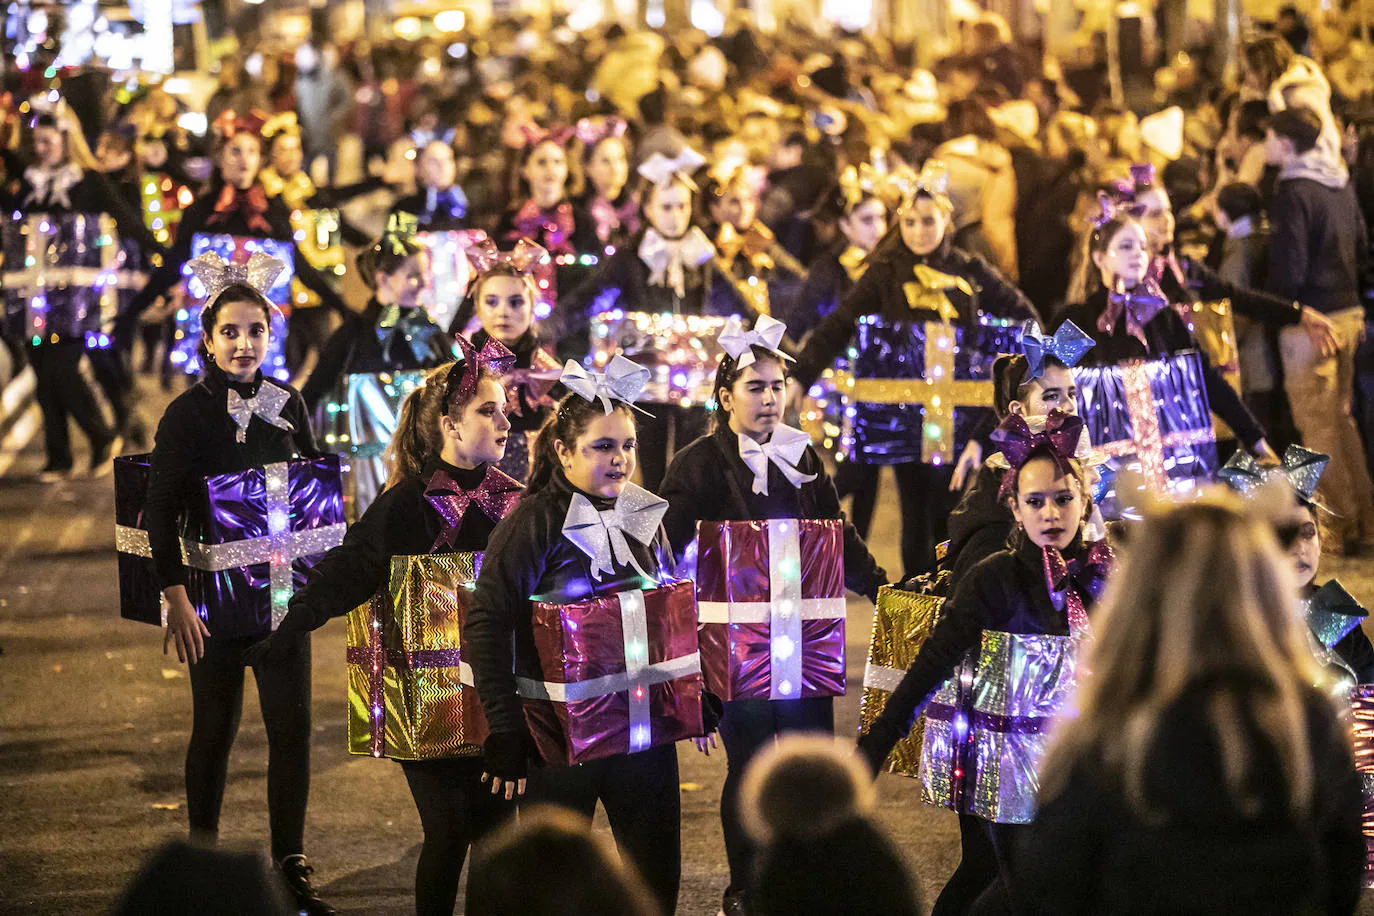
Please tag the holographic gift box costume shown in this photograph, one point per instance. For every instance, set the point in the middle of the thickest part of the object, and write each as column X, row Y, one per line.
column 902, row 622
column 358, row 421
column 681, row 352
column 770, row 600
column 1155, row 413
column 410, row 693
column 622, row 673
column 62, row 277
column 248, row 540
column 236, row 249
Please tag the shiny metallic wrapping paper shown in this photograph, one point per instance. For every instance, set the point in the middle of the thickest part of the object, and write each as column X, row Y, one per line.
column 920, row 390
column 770, row 599
column 62, row 275
column 1154, row 413
column 982, row 751
column 622, row 673
column 319, row 235
column 410, row 693
column 1362, row 723
column 681, row 352
column 1214, row 326
column 248, row 540
column 235, row 249
column 358, row 421
column 902, row 622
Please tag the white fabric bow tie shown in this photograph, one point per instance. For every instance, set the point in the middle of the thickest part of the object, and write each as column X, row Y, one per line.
column 784, row 448
column 52, row 186
column 668, row 260
column 266, row 404
column 603, row 535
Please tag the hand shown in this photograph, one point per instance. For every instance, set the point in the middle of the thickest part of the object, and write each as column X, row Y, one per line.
column 705, row 743
column 274, row 647
column 969, row 462
column 876, row 743
column 1320, row 331
column 1265, row 454
column 505, row 763
column 184, row 626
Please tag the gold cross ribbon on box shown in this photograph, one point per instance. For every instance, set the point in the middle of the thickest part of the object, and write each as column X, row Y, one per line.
column 930, row 291
column 939, row 392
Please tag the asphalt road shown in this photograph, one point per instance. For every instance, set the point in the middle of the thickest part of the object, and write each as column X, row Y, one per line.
column 95, row 719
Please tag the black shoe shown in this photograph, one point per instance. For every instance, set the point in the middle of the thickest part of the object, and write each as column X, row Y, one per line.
column 296, row 871
column 54, row 473
column 732, row 903
column 103, row 455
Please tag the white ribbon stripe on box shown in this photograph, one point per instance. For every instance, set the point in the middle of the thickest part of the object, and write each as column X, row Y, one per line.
column 636, row 679
column 882, row 677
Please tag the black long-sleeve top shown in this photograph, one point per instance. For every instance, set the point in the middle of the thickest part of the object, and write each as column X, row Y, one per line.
column 1165, row 335
column 708, row 481
column 197, row 438
column 1200, row 851
column 1006, row 592
column 1201, row 283
column 93, row 193
column 529, row 559
column 880, row 292
column 1318, row 245
column 827, row 283
column 354, row 347
column 582, row 239
column 400, row 522
column 979, row 526
column 195, row 219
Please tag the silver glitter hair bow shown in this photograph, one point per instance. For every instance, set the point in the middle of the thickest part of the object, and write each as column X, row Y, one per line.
column 623, row 381
column 1301, row 467
column 217, row 275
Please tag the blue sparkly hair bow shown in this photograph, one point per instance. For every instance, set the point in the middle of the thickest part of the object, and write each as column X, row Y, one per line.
column 1301, row 467
column 1067, row 345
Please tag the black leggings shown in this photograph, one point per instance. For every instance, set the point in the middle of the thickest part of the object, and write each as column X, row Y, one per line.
column 923, row 493
column 62, row 392
column 747, row 727
column 217, row 701
column 986, row 854
column 456, row 811
column 643, row 804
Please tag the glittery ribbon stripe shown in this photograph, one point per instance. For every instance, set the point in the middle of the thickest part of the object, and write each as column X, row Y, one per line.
column 761, row 611
column 784, row 619
column 376, row 659
column 374, row 656
column 992, row 722
column 1140, row 402
column 233, row 554
column 883, row 677
column 577, row 691
column 634, row 626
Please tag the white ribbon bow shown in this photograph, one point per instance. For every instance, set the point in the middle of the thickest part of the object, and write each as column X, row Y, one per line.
column 660, row 169
column 767, row 334
column 784, row 448
column 267, row 404
column 623, row 380
column 603, row 536
column 52, row 186
column 668, row 260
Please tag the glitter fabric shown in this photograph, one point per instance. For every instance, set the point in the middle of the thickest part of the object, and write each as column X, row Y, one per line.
column 681, row 352
column 358, row 421
column 982, row 752
column 602, row 535
column 496, row 495
column 62, row 277
column 1332, row 613
column 235, row 248
column 319, row 238
column 248, row 541
column 1152, row 415
column 266, row 405
column 1301, row 467
column 622, row 673
column 410, row 693
column 770, row 601
column 260, row 271
column 1085, row 575
column 920, row 375
column 902, row 623
column 450, row 271
column 930, row 291
column 1362, row 725
column 1068, row 345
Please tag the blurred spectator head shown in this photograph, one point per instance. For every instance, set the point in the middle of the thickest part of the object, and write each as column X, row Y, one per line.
column 807, row 801
column 1264, row 60
column 1292, row 132
column 549, row 863
column 1252, row 118
column 180, row 878
column 1237, row 201
column 435, row 166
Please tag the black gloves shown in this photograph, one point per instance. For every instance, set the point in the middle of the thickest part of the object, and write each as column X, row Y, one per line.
column 506, row 755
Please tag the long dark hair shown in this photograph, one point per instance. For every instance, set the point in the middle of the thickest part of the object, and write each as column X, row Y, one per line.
column 417, row 437
column 728, row 372
column 1088, row 281
column 387, row 256
column 568, row 421
column 209, row 315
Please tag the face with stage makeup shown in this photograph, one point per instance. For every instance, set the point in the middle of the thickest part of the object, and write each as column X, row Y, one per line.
column 865, row 224
column 923, row 224
column 1053, row 390
column 668, row 209
column 602, row 457
column 1122, row 256
column 608, row 168
column 1306, row 549
column 505, row 306
column 476, row 432
column 1048, row 503
column 237, row 334
column 239, row 159
column 546, row 173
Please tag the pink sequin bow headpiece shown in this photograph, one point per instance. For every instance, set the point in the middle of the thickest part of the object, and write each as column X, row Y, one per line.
column 494, row 357
column 1059, row 439
column 534, row 135
column 259, row 272
column 497, row 494
column 523, row 258
column 592, row 131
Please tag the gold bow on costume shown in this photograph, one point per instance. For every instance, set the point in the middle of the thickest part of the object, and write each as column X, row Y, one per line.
column 930, row 291
column 295, row 191
column 854, row 261
column 283, row 123
column 755, row 243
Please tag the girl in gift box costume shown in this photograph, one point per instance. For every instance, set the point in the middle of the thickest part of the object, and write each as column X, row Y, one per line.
column 444, row 495
column 231, row 420
column 1333, row 615
column 669, row 267
column 754, row 467
column 608, row 201
column 1031, row 600
column 546, row 548
column 893, row 298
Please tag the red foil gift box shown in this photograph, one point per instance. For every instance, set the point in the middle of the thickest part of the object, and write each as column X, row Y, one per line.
column 770, row 599
column 622, row 673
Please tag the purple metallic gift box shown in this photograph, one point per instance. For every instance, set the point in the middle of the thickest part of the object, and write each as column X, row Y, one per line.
column 248, row 540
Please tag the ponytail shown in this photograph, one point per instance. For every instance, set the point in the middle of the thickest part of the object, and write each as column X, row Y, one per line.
column 417, row 438
column 568, row 421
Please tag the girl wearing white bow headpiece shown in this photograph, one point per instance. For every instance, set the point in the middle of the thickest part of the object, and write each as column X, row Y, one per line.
column 583, row 531
column 234, row 419
column 755, row 467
